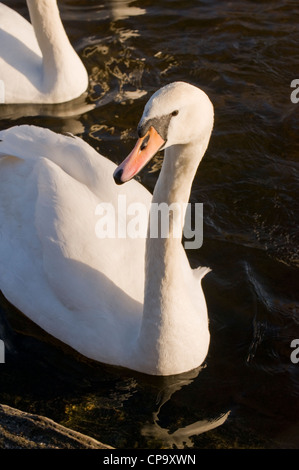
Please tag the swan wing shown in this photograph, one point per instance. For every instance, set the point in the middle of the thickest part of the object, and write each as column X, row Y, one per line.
column 84, row 290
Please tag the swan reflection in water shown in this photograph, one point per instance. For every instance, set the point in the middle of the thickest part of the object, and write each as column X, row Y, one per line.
column 69, row 113
column 181, row 437
column 121, row 9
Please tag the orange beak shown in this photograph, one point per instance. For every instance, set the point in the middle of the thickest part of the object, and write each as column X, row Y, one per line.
column 146, row 147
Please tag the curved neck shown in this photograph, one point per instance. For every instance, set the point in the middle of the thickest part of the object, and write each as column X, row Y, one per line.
column 60, row 61
column 48, row 28
column 164, row 249
column 168, row 307
column 167, row 216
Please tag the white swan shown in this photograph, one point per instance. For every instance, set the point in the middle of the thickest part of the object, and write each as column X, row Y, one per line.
column 89, row 292
column 37, row 62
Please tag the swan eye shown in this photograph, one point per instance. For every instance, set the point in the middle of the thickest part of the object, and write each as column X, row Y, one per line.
column 175, row 113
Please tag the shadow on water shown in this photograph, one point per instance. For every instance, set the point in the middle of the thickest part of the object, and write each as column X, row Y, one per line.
column 108, row 403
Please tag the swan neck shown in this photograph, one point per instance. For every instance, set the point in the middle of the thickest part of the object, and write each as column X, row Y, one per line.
column 48, row 28
column 60, row 61
column 170, row 199
column 168, row 312
column 177, row 174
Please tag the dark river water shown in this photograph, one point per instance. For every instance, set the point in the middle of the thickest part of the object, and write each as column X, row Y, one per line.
column 245, row 55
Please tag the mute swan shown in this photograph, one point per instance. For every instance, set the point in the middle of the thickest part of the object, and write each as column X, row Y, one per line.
column 37, row 62
column 130, row 302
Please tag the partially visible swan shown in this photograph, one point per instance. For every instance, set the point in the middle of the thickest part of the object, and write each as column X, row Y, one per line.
column 130, row 302
column 37, row 62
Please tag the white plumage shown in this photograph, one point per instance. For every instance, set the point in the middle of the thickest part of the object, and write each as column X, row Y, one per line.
column 37, row 62
column 135, row 303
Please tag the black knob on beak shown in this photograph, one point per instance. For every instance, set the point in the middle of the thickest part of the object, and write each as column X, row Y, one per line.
column 117, row 176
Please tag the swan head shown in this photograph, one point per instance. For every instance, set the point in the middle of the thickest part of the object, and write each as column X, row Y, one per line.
column 177, row 114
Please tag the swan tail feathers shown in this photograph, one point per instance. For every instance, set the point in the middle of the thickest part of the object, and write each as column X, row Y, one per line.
column 16, row 142
column 201, row 272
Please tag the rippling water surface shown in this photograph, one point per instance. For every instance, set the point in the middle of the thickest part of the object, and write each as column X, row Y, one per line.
column 244, row 55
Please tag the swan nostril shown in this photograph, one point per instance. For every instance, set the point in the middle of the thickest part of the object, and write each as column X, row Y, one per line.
column 144, row 143
column 117, row 175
